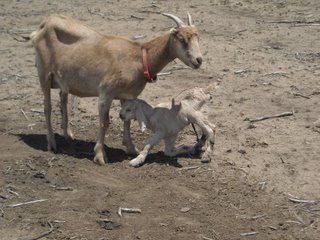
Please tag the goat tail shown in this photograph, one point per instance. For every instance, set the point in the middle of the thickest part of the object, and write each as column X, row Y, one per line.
column 33, row 35
column 30, row 37
column 36, row 33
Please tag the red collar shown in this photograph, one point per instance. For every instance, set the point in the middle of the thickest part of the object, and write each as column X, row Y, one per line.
column 146, row 72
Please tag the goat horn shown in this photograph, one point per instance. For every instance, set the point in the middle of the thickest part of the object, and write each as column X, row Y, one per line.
column 189, row 19
column 178, row 21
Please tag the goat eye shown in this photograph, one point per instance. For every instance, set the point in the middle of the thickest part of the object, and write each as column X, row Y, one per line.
column 182, row 40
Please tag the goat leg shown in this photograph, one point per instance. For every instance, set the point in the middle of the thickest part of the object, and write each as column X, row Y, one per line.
column 172, row 151
column 182, row 149
column 127, row 141
column 45, row 85
column 206, row 157
column 199, row 145
column 65, row 125
column 208, row 131
column 153, row 140
column 104, row 107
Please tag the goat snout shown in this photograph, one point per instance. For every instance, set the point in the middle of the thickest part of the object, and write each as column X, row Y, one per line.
column 199, row 60
column 196, row 62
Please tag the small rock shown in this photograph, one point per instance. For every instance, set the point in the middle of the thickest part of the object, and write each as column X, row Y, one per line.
column 263, row 144
column 185, row 209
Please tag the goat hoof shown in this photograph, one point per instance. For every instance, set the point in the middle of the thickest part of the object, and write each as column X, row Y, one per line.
column 99, row 154
column 135, row 163
column 52, row 146
column 99, row 159
column 69, row 136
column 206, row 158
column 197, row 151
column 131, row 149
column 101, row 162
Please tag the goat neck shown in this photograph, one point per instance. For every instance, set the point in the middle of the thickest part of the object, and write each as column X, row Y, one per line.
column 159, row 54
column 145, row 107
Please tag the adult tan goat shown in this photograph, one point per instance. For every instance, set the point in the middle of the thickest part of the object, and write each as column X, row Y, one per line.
column 86, row 63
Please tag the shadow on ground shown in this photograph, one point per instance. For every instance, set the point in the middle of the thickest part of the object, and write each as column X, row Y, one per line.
column 83, row 149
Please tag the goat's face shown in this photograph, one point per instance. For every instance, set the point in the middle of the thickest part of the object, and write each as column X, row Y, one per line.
column 186, row 45
column 127, row 111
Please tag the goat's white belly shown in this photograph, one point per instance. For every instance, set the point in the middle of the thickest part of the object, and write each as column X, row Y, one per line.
column 169, row 124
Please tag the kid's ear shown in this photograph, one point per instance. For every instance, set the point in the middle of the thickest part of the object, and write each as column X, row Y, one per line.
column 174, row 105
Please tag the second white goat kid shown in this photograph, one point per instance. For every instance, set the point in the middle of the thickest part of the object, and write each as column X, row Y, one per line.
column 166, row 120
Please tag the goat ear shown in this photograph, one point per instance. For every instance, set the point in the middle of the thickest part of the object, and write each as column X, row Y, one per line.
column 141, row 118
column 174, row 105
column 173, row 31
column 172, row 102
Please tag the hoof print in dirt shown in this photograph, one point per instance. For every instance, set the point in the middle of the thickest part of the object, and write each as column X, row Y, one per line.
column 105, row 212
column 40, row 174
column 108, row 224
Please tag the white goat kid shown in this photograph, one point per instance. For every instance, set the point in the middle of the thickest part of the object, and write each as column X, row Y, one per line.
column 166, row 120
column 81, row 61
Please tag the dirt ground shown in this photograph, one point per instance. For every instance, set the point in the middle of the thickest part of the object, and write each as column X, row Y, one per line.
column 265, row 57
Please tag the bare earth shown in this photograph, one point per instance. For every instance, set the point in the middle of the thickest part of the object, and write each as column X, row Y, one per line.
column 265, row 57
